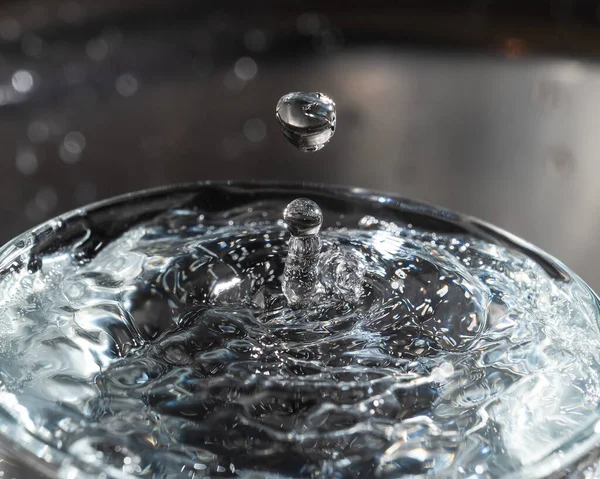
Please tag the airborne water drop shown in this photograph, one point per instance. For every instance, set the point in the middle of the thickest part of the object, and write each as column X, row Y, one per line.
column 308, row 119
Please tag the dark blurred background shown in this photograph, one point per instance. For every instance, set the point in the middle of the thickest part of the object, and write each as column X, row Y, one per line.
column 486, row 107
column 489, row 108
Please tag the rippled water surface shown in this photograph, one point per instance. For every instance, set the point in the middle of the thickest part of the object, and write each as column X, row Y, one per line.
column 169, row 350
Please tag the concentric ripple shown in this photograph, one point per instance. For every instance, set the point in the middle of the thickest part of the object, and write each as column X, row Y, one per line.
column 172, row 352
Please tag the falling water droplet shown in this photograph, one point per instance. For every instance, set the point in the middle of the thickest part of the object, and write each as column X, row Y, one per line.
column 308, row 119
column 304, row 219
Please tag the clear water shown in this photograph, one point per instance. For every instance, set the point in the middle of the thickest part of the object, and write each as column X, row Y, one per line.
column 307, row 119
column 170, row 350
column 303, row 219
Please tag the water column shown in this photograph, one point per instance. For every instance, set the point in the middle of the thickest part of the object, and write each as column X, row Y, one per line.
column 304, row 219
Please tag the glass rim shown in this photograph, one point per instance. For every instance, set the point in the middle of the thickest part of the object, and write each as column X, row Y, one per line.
column 158, row 195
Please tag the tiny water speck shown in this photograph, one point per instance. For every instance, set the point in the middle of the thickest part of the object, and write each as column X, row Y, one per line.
column 245, row 68
column 97, row 49
column 255, row 130
column 308, row 119
column 255, row 40
column 27, row 162
column 38, row 131
column 10, row 29
column 126, row 85
column 22, row 81
column 72, row 146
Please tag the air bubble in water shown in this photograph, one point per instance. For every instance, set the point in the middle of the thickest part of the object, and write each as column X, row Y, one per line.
column 308, row 119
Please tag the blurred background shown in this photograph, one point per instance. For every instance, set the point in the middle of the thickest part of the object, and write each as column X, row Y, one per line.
column 486, row 107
